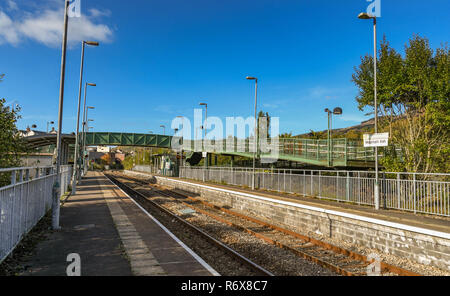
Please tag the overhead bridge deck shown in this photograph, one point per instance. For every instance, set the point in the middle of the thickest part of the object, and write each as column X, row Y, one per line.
column 342, row 152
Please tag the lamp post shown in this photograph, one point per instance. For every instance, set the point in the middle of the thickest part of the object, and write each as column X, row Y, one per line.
column 85, row 130
column 56, row 187
column 75, row 159
column 175, row 130
column 182, row 139
column 88, row 128
column 49, row 122
column 83, row 124
column 256, row 130
column 164, row 129
column 151, row 152
column 205, row 164
column 336, row 111
column 366, row 16
column 206, row 119
column 196, row 136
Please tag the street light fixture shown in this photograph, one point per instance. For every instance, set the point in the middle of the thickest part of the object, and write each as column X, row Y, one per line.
column 366, row 16
column 164, row 129
column 256, row 130
column 75, row 162
column 49, row 122
column 92, row 43
column 336, row 111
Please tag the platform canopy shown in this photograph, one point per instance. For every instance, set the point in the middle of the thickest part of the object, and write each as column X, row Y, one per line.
column 42, row 140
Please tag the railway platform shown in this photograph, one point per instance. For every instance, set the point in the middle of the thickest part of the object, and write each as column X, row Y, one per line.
column 410, row 238
column 428, row 222
column 113, row 236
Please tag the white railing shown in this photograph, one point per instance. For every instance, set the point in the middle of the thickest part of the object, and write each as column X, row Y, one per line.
column 415, row 192
column 151, row 169
column 25, row 200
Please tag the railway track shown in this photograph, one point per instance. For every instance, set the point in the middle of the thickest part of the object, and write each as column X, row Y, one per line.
column 251, row 267
column 334, row 258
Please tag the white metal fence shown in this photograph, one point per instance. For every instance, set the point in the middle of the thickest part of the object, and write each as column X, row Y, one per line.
column 25, row 201
column 154, row 170
column 419, row 193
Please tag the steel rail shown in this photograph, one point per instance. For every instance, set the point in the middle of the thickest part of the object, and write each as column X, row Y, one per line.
column 214, row 241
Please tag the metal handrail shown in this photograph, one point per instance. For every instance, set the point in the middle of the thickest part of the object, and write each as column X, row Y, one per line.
column 283, row 170
column 5, row 170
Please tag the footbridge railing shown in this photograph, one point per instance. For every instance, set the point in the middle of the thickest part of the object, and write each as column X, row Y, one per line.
column 339, row 152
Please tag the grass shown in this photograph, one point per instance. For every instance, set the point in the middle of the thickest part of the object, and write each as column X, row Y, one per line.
column 13, row 265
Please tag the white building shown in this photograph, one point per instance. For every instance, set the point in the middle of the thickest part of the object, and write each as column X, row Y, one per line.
column 103, row 149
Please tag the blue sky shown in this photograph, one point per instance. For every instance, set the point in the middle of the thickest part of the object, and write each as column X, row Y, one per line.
column 160, row 58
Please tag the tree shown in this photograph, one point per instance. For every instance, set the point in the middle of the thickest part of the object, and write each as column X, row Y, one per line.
column 11, row 144
column 107, row 159
column 286, row 135
column 413, row 102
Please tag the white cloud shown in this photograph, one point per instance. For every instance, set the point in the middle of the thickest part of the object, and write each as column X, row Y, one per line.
column 273, row 106
column 94, row 12
column 46, row 27
column 8, row 32
column 12, row 5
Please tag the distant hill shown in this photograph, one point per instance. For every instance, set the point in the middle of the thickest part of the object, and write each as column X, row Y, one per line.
column 355, row 131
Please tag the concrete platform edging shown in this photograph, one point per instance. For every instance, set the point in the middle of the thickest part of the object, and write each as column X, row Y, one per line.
column 189, row 250
column 142, row 260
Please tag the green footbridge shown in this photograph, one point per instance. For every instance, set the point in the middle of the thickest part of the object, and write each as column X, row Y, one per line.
column 339, row 153
column 127, row 139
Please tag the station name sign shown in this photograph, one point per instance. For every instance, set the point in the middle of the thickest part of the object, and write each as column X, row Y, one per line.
column 376, row 140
